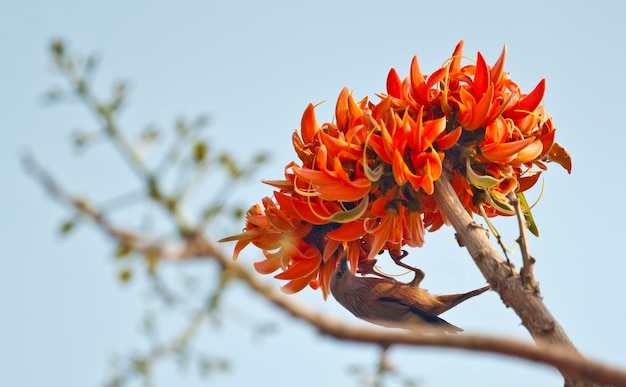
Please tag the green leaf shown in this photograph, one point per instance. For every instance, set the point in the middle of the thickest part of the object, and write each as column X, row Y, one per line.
column 375, row 174
column 181, row 128
column 212, row 211
column 57, row 47
column 239, row 212
column 125, row 275
column 149, row 135
column 528, row 216
column 199, row 151
column 67, row 226
column 499, row 202
column 350, row 215
column 260, row 158
column 123, row 251
column 479, row 181
column 230, row 166
column 117, row 97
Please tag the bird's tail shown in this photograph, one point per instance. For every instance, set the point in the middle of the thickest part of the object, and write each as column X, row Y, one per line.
column 451, row 300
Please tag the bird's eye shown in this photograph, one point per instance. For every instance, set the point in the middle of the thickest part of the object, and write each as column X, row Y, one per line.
column 339, row 275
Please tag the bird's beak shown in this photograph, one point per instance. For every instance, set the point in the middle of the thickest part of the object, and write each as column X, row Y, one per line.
column 343, row 264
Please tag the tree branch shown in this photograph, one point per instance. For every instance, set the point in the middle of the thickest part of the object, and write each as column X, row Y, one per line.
column 561, row 356
column 515, row 293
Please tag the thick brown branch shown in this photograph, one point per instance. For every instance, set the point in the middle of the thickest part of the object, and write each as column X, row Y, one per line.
column 524, row 300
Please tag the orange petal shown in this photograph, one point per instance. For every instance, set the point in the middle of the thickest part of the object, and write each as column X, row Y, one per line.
column 481, row 110
column 431, row 130
column 466, row 106
column 317, row 178
column 301, row 268
column 347, row 192
column 528, row 104
column 398, row 168
column 283, row 185
column 381, row 234
column 560, row 155
column 496, row 70
column 506, row 150
column 527, row 182
column 377, row 145
column 294, row 286
column 310, row 212
column 308, row 124
column 336, row 145
column 481, row 77
column 324, row 275
column 394, row 83
column 529, row 153
column 448, row 140
column 417, row 78
column 547, row 140
column 348, row 231
column 455, row 64
column 272, row 262
column 330, row 248
column 342, row 109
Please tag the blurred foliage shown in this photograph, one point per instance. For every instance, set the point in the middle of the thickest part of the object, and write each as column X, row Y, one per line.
column 171, row 166
column 382, row 374
column 174, row 168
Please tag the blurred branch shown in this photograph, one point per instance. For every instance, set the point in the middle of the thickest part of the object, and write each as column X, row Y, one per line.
column 195, row 246
column 142, row 365
column 135, row 241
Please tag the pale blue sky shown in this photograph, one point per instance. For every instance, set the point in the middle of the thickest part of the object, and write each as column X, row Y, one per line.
column 253, row 67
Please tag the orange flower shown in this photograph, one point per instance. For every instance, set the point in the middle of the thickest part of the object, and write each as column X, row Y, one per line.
column 502, row 142
column 364, row 183
column 332, row 165
column 407, row 145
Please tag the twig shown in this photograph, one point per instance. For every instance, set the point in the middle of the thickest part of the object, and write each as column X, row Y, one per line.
column 384, row 367
column 496, row 234
column 173, row 251
column 526, row 272
column 180, row 340
column 105, row 113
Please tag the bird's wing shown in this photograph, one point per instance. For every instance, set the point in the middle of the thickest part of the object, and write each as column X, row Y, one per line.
column 394, row 304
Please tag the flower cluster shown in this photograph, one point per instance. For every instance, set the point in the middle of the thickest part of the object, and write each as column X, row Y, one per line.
column 364, row 182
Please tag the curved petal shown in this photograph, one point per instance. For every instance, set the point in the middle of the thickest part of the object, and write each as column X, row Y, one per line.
column 308, row 124
column 271, row 263
column 481, row 76
column 294, row 286
column 394, row 83
column 448, row 140
column 527, row 104
column 348, row 231
column 498, row 67
column 301, row 268
column 506, row 151
column 529, row 153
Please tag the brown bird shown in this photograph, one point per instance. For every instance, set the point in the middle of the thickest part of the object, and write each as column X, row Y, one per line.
column 390, row 303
